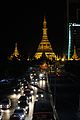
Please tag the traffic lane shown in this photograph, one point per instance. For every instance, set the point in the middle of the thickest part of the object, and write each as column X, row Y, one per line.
column 9, row 112
column 43, row 89
column 14, row 103
column 43, row 109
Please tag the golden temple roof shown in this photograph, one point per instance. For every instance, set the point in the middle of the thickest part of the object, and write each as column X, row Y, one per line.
column 45, row 45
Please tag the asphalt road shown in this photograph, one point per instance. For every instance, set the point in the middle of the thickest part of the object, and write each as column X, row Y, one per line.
column 14, row 101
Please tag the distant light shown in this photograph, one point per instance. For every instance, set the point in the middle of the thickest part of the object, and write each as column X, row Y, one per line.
column 40, row 75
column 74, row 24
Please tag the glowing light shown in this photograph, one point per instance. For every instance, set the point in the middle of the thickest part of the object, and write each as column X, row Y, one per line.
column 74, row 24
column 62, row 59
column 69, row 45
column 42, row 83
column 41, row 75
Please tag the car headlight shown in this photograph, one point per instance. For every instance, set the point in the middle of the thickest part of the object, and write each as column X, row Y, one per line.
column 22, row 116
column 30, row 97
column 25, row 86
column 18, row 101
column 31, row 92
column 42, row 95
column 0, row 106
column 18, row 90
column 18, row 107
column 7, row 106
column 32, row 82
column 36, row 95
column 14, row 90
column 26, row 107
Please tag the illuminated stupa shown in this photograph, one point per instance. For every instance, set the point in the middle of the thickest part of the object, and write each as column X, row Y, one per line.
column 15, row 53
column 75, row 57
column 45, row 45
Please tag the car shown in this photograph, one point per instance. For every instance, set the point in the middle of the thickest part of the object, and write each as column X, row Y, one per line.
column 29, row 97
column 42, row 76
column 15, row 116
column 39, row 95
column 5, row 103
column 29, row 89
column 23, row 98
column 17, row 90
column 28, row 94
column 23, row 105
column 4, row 82
column 34, row 80
column 20, row 112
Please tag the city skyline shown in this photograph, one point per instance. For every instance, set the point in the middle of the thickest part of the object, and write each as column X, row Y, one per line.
column 24, row 25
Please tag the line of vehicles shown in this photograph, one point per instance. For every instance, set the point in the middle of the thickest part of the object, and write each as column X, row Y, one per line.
column 24, row 92
column 42, row 106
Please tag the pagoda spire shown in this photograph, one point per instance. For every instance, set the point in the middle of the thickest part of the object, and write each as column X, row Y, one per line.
column 44, row 37
column 15, row 53
column 45, row 45
column 74, row 54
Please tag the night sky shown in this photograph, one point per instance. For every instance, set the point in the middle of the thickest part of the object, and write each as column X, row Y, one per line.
column 23, row 22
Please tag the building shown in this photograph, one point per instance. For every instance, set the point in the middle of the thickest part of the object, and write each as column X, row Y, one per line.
column 72, row 15
column 74, row 39
column 45, row 45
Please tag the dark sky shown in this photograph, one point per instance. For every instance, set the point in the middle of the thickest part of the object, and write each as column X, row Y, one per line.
column 22, row 22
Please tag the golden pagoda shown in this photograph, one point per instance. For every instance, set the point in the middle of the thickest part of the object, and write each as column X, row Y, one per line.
column 15, row 53
column 45, row 45
column 75, row 57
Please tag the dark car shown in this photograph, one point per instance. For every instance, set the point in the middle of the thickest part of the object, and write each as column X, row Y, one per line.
column 29, row 90
column 39, row 95
column 28, row 94
column 5, row 103
column 21, row 112
column 22, row 99
column 15, row 117
column 29, row 97
column 17, row 90
column 24, row 105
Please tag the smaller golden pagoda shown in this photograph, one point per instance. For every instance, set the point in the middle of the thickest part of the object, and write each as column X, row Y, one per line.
column 15, row 53
column 75, row 57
